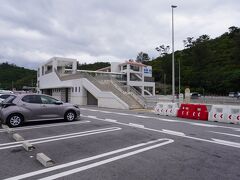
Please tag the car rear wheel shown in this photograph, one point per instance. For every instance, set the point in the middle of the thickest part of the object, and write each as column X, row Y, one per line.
column 15, row 120
column 70, row 116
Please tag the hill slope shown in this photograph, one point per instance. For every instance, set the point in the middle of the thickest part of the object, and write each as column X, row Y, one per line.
column 210, row 65
column 16, row 77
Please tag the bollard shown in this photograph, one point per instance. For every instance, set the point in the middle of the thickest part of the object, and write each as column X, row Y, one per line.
column 17, row 137
column 27, row 146
column 44, row 160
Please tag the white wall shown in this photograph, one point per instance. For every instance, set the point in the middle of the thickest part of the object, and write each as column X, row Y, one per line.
column 115, row 67
column 105, row 99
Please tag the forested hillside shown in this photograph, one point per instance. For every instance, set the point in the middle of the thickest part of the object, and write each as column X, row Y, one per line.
column 12, row 76
column 207, row 65
column 93, row 67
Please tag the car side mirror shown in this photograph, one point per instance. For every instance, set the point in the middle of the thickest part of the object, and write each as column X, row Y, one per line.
column 58, row 103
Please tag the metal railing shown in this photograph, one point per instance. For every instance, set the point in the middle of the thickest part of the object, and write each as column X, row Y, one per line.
column 130, row 90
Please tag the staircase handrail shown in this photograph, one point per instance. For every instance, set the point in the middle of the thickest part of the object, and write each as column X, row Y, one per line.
column 130, row 90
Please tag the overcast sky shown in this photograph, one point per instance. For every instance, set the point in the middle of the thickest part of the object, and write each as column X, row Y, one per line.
column 32, row 31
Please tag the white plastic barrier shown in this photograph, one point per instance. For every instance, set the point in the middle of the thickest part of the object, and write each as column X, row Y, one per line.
column 160, row 108
column 172, row 109
column 225, row 113
column 166, row 109
column 234, row 115
column 156, row 109
column 219, row 113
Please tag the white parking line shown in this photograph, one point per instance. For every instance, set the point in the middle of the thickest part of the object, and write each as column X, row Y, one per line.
column 90, row 109
column 124, row 114
column 136, row 125
column 170, row 133
column 76, row 170
column 158, row 141
column 90, row 117
column 234, row 135
column 203, row 125
column 60, row 137
column 171, row 120
column 227, row 143
column 46, row 126
column 173, row 132
column 167, row 120
column 111, row 120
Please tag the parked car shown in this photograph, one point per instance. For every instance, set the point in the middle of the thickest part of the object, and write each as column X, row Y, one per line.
column 195, row 95
column 4, row 96
column 21, row 108
column 231, row 94
column 234, row 94
column 5, row 92
column 237, row 95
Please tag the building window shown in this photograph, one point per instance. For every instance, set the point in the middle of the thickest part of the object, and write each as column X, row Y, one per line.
column 79, row 88
column 72, row 89
column 135, row 68
column 75, row 89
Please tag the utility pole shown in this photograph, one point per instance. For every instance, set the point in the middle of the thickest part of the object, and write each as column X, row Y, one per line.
column 179, row 85
column 164, row 81
column 173, row 69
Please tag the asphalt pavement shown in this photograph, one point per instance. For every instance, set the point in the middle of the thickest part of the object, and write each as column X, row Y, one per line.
column 109, row 144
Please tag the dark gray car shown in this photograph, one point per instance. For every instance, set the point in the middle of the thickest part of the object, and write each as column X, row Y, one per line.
column 35, row 107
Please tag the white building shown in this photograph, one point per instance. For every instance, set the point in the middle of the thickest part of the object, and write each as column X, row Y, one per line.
column 121, row 85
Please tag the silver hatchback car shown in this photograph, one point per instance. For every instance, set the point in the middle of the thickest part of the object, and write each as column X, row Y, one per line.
column 21, row 108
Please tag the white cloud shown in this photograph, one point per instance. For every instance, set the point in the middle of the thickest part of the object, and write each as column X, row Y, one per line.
column 93, row 30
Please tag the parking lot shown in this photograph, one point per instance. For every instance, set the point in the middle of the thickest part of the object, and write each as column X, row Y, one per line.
column 109, row 144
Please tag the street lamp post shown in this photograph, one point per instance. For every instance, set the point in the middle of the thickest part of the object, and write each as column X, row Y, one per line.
column 179, row 82
column 173, row 70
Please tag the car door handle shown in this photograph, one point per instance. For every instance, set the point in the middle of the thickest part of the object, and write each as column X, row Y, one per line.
column 44, row 106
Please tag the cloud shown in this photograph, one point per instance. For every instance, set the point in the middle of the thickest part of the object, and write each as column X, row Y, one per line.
column 33, row 31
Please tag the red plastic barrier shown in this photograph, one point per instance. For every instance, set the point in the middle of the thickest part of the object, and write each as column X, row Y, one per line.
column 200, row 112
column 184, row 111
column 193, row 111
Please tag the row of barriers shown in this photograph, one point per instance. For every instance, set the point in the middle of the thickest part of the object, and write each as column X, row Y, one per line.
column 226, row 114
column 217, row 113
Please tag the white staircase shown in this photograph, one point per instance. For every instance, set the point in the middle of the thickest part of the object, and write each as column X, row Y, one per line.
column 127, row 94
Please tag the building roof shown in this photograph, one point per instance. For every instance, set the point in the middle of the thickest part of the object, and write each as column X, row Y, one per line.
column 132, row 63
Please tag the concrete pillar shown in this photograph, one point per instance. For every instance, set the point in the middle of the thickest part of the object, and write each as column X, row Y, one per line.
column 142, row 88
column 54, row 64
column 128, row 74
column 153, row 93
column 74, row 67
